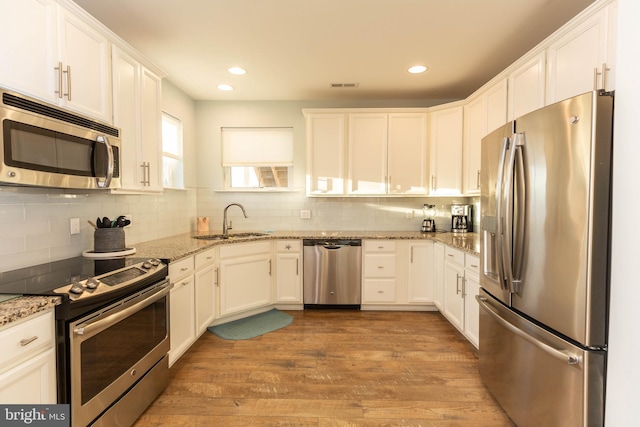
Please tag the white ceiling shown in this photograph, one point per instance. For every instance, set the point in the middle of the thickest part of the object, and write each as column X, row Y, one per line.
column 294, row 49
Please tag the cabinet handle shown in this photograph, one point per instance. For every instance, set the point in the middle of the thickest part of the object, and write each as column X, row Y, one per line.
column 184, row 269
column 474, row 265
column 450, row 255
column 269, row 267
column 433, row 182
column 184, row 283
column 27, row 341
column 478, row 180
column 297, row 267
column 411, row 254
column 380, row 267
column 209, row 257
column 604, row 75
column 457, row 284
column 596, row 73
column 68, row 72
column 59, row 68
column 144, row 173
column 217, row 277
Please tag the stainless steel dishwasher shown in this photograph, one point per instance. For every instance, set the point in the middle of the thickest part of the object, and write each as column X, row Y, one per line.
column 332, row 272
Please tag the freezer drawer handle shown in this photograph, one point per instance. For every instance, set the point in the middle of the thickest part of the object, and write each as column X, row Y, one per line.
column 571, row 359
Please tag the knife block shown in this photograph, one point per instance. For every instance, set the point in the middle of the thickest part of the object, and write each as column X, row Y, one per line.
column 108, row 239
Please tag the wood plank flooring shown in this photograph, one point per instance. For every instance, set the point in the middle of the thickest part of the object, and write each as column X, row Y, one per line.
column 331, row 368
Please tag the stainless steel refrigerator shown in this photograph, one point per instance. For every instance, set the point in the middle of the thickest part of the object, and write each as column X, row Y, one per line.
column 545, row 232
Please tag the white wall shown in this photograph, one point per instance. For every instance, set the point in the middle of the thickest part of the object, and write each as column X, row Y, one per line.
column 281, row 211
column 623, row 383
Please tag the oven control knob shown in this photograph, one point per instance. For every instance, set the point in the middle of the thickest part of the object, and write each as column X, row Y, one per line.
column 155, row 261
column 92, row 283
column 76, row 289
column 147, row 265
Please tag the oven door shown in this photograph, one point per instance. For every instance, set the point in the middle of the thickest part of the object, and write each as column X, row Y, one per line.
column 113, row 348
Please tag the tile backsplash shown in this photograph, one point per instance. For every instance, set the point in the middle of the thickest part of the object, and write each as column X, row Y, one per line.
column 34, row 223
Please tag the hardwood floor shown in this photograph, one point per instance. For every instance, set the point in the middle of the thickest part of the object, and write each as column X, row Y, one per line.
column 331, row 368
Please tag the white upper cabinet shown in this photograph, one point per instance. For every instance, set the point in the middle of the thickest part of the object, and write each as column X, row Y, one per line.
column 367, row 153
column 136, row 95
column 446, row 151
column 387, row 153
column 526, row 87
column 581, row 59
column 325, row 153
column 52, row 54
column 407, row 153
column 84, row 58
column 35, row 23
column 483, row 114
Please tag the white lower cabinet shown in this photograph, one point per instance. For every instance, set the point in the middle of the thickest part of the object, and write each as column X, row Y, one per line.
column 288, row 272
column 28, row 361
column 379, row 272
column 438, row 259
column 181, row 308
column 471, row 307
column 421, row 273
column 205, row 283
column 460, row 287
column 245, row 277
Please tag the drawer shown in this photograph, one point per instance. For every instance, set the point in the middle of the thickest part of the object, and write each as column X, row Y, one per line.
column 26, row 338
column 204, row 258
column 180, row 269
column 380, row 265
column 288, row 246
column 453, row 255
column 472, row 263
column 377, row 291
column 374, row 246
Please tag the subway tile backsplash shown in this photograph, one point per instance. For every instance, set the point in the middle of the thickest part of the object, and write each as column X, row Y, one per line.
column 34, row 223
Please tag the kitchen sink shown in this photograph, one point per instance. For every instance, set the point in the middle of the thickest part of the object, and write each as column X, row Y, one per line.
column 230, row 236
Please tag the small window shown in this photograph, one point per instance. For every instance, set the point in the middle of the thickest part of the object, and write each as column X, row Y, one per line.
column 172, row 163
column 257, row 158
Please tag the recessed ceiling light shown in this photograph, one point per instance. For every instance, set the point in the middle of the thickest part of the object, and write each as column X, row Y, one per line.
column 237, row 71
column 417, row 69
column 225, row 87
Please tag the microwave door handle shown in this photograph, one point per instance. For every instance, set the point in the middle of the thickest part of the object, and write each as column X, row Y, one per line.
column 499, row 213
column 110, row 163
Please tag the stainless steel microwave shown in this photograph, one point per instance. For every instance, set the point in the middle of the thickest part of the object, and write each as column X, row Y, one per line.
column 45, row 146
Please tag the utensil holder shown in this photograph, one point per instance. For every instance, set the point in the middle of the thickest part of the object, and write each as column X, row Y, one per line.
column 108, row 239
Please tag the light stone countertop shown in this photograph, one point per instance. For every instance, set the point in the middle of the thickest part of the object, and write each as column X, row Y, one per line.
column 18, row 308
column 182, row 245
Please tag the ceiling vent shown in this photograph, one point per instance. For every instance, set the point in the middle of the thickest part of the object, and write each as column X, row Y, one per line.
column 342, row 85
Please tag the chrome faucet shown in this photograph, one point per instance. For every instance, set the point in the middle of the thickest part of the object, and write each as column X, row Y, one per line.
column 226, row 227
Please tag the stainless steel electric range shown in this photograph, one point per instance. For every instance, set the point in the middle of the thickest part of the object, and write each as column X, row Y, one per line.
column 112, row 333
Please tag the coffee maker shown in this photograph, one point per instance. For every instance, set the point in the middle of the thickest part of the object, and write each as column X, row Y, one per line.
column 428, row 223
column 461, row 218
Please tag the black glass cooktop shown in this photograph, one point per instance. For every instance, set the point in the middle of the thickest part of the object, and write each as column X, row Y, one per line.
column 44, row 278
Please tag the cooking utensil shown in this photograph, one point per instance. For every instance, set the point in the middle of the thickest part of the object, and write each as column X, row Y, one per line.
column 93, row 224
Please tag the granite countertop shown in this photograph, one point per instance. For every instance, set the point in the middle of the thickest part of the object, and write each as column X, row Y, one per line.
column 182, row 245
column 23, row 306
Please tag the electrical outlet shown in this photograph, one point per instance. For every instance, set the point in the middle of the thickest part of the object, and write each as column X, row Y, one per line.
column 305, row 214
column 409, row 214
column 74, row 226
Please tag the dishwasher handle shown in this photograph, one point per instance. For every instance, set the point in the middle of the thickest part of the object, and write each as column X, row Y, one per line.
column 333, row 247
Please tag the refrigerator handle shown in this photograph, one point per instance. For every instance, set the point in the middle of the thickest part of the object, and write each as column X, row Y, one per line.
column 569, row 358
column 507, row 216
column 499, row 213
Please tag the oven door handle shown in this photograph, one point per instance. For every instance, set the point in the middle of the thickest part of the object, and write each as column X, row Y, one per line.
column 103, row 323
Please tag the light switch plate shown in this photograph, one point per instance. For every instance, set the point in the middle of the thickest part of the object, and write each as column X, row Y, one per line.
column 74, row 226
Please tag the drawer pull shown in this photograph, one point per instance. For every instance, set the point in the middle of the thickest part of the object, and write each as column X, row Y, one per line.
column 28, row 341
column 474, row 265
column 450, row 255
column 380, row 267
column 184, row 269
column 381, row 292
